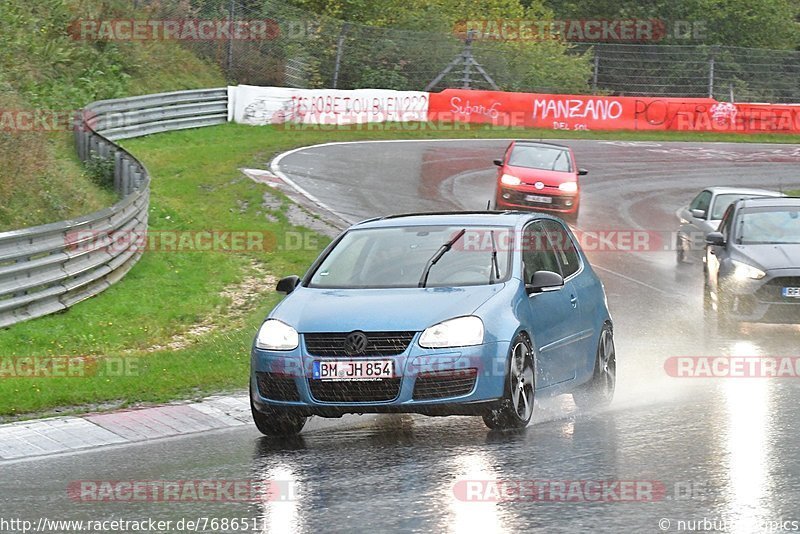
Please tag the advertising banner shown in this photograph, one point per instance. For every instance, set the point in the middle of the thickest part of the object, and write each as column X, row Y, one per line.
column 276, row 105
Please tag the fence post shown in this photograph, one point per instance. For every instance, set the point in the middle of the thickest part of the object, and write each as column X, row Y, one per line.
column 596, row 72
column 339, row 50
column 229, row 60
column 466, row 81
column 711, row 62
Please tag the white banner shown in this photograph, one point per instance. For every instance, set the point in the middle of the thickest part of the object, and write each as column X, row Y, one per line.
column 258, row 106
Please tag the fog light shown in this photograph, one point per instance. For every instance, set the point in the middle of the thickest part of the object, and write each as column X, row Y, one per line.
column 568, row 203
column 506, row 196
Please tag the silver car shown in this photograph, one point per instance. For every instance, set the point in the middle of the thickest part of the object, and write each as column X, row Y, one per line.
column 702, row 217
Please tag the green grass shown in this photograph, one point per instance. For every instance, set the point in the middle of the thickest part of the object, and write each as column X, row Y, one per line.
column 197, row 185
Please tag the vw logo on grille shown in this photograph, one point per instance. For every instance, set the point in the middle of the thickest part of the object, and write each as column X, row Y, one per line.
column 538, row 185
column 355, row 343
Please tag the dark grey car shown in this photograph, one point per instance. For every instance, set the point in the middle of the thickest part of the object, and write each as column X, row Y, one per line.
column 752, row 264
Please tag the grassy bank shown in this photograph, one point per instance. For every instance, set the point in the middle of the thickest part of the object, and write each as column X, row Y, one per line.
column 183, row 321
column 48, row 73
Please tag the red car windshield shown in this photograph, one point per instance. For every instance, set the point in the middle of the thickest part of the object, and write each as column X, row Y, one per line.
column 540, row 157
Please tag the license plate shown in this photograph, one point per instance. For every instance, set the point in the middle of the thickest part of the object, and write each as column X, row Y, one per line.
column 793, row 292
column 537, row 198
column 353, row 370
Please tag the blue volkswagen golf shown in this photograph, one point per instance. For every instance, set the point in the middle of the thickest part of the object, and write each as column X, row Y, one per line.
column 438, row 314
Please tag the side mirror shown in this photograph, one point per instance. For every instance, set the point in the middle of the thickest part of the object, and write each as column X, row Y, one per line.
column 698, row 214
column 716, row 239
column 288, row 284
column 582, row 172
column 542, row 281
column 498, row 162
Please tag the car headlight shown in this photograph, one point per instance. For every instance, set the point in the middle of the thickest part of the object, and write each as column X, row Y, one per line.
column 276, row 335
column 458, row 332
column 510, row 179
column 744, row 271
column 568, row 187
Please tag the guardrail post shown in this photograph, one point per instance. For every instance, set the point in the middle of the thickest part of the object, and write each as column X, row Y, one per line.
column 94, row 147
column 126, row 177
column 84, row 145
column 118, row 163
column 137, row 179
column 77, row 126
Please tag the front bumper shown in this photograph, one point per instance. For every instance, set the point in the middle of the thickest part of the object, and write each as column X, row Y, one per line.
column 462, row 381
column 518, row 198
column 761, row 300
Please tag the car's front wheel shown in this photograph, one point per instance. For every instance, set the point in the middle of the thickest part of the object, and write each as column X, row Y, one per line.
column 726, row 324
column 572, row 218
column 599, row 391
column 516, row 408
column 680, row 251
column 717, row 312
column 277, row 422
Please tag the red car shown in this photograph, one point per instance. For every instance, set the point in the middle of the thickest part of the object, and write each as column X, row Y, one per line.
column 539, row 176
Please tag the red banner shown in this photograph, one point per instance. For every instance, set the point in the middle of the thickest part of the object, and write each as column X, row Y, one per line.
column 582, row 112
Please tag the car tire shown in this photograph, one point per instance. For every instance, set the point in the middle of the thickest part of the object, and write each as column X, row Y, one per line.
column 680, row 252
column 599, row 391
column 516, row 407
column 708, row 308
column 277, row 422
column 709, row 313
column 572, row 218
column 726, row 325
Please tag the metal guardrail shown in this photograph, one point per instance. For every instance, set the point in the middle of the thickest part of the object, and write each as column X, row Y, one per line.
column 48, row 268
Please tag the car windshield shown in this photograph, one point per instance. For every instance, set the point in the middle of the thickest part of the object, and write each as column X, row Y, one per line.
column 540, row 157
column 769, row 226
column 721, row 203
column 397, row 257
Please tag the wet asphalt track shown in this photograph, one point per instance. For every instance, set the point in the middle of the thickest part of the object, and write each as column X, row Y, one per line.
column 719, row 450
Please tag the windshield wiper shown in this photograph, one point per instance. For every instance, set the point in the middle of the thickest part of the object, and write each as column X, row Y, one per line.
column 494, row 275
column 555, row 161
column 437, row 256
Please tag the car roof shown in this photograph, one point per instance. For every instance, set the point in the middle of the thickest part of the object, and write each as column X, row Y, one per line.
column 721, row 190
column 789, row 202
column 530, row 142
column 509, row 219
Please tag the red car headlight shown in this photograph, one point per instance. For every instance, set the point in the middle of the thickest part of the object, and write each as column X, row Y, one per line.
column 568, row 187
column 510, row 179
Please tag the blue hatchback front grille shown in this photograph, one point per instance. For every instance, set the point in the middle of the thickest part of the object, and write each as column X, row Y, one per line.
column 378, row 343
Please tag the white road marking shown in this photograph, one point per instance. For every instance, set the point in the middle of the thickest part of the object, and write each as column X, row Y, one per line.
column 634, row 280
